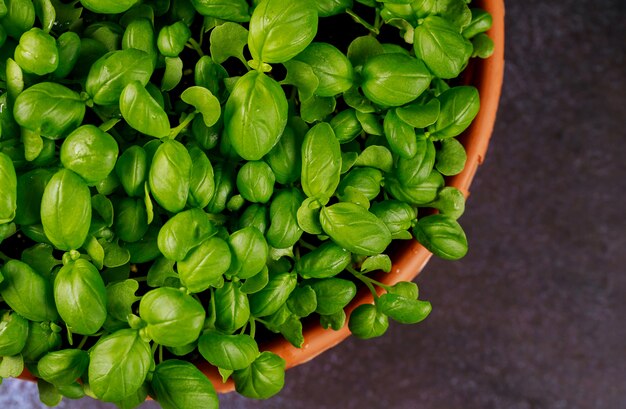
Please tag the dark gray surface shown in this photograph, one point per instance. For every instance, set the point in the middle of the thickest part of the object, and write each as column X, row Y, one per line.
column 533, row 317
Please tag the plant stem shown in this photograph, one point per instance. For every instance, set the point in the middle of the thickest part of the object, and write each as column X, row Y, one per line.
column 197, row 47
column 184, row 124
column 359, row 19
column 82, row 342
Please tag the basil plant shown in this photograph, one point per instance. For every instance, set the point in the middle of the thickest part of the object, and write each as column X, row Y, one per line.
column 179, row 177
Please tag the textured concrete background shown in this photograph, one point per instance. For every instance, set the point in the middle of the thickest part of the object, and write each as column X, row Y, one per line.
column 533, row 317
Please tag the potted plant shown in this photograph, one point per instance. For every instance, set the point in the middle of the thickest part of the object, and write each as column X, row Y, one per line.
column 184, row 181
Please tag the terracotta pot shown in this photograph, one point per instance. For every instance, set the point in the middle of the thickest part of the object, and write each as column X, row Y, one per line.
column 409, row 258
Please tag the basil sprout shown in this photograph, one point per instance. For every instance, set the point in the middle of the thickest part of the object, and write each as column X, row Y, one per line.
column 284, row 230
column 403, row 309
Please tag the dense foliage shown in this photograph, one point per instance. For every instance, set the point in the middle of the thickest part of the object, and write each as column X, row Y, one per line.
column 179, row 179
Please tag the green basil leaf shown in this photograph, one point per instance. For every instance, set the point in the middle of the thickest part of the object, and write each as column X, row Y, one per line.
column 173, row 73
column 231, row 10
column 334, row 321
column 66, row 210
column 204, row 265
column 228, row 40
column 255, row 182
column 378, row 262
column 355, row 229
column 302, row 76
column 402, row 309
column 179, row 384
column 235, row 352
column 250, row 252
column 441, row 235
column 42, row 338
column 120, row 298
column 394, row 79
column 8, row 190
column 90, row 153
column 170, row 176
column 264, row 378
column 80, row 297
column 397, row 216
column 49, row 109
column 281, row 29
column 111, row 73
column 303, row 301
column 11, row 366
column 378, row 157
column 321, row 162
column 284, row 230
column 183, row 232
column 19, row 17
column 142, row 112
column 118, row 366
column 440, row 45
column 367, row 322
column 205, row 103
column 328, row 260
column 139, row 34
column 173, row 318
column 172, row 39
column 27, row 293
column 346, row 125
column 13, row 333
column 273, row 295
column 108, row 6
column 362, row 49
column 333, row 294
column 451, row 157
column 37, row 52
column 400, row 135
column 327, row 8
column 63, row 367
column 132, row 170
column 331, row 67
column 483, row 46
column 481, row 22
column 420, row 115
column 459, row 107
column 256, row 283
column 255, row 115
